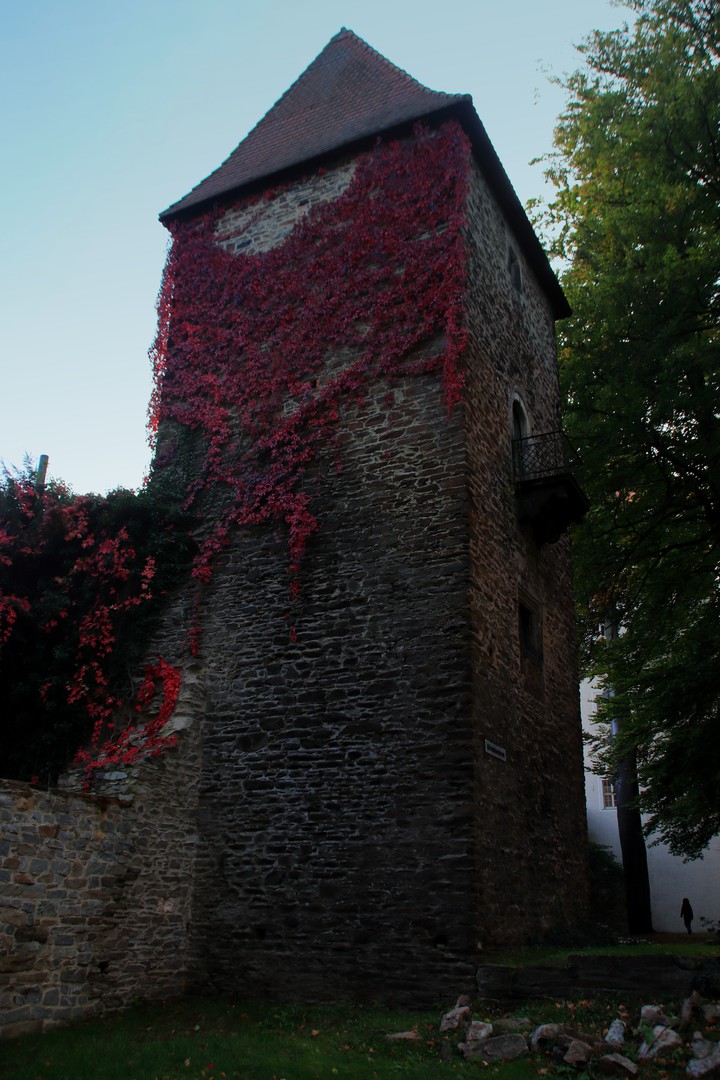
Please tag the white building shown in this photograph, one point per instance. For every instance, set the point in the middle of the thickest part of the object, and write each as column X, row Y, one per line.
column 670, row 878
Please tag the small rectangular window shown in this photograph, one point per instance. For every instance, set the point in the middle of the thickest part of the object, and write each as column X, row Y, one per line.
column 608, row 794
column 530, row 631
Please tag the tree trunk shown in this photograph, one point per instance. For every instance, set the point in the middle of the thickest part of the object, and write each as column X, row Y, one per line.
column 632, row 845
column 630, row 830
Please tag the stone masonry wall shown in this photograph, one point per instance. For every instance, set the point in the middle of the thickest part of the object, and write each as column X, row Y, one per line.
column 357, row 838
column 60, row 855
column 533, row 801
column 95, row 890
column 335, row 806
column 331, row 823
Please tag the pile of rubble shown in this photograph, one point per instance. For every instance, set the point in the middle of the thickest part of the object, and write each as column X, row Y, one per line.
column 656, row 1036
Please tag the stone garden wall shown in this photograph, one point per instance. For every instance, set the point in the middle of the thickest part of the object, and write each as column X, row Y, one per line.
column 95, row 890
column 61, row 863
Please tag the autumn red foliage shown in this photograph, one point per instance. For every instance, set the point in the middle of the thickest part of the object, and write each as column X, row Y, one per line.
column 257, row 355
column 247, row 345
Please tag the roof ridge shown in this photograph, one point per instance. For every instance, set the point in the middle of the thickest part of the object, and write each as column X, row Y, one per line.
column 348, row 95
column 351, row 35
column 348, row 92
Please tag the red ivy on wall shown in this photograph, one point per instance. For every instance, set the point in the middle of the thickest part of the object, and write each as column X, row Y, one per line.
column 136, row 743
column 257, row 354
column 248, row 345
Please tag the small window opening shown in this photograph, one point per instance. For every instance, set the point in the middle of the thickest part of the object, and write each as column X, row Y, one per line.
column 520, row 424
column 530, row 630
column 515, row 271
column 608, row 795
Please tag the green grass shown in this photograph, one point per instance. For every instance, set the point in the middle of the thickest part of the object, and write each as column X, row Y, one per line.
column 699, row 947
column 211, row 1039
column 204, row 1039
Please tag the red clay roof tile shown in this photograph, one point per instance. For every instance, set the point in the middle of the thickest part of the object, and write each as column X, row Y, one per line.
column 348, row 92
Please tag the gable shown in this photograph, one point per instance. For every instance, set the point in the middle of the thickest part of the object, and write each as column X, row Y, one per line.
column 348, row 93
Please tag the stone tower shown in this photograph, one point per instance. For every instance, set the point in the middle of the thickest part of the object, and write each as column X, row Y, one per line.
column 357, row 375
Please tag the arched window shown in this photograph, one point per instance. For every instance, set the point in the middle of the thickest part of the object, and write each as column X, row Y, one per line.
column 520, row 426
column 515, row 271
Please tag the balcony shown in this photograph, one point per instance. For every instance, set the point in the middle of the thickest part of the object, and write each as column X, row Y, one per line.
column 548, row 497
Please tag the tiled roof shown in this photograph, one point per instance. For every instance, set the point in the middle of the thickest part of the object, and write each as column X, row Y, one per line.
column 349, row 92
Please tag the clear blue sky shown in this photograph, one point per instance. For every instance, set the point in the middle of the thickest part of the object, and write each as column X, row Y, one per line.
column 112, row 111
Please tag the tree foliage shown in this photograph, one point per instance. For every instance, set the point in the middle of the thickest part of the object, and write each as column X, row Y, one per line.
column 636, row 220
column 82, row 583
column 259, row 355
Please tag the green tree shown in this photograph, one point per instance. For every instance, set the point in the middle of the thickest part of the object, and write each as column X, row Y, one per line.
column 636, row 220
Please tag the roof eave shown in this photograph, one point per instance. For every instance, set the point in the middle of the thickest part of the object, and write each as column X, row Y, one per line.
column 484, row 153
column 192, row 203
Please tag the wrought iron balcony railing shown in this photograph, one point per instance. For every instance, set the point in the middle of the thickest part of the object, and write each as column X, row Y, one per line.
column 548, row 454
column 548, row 494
